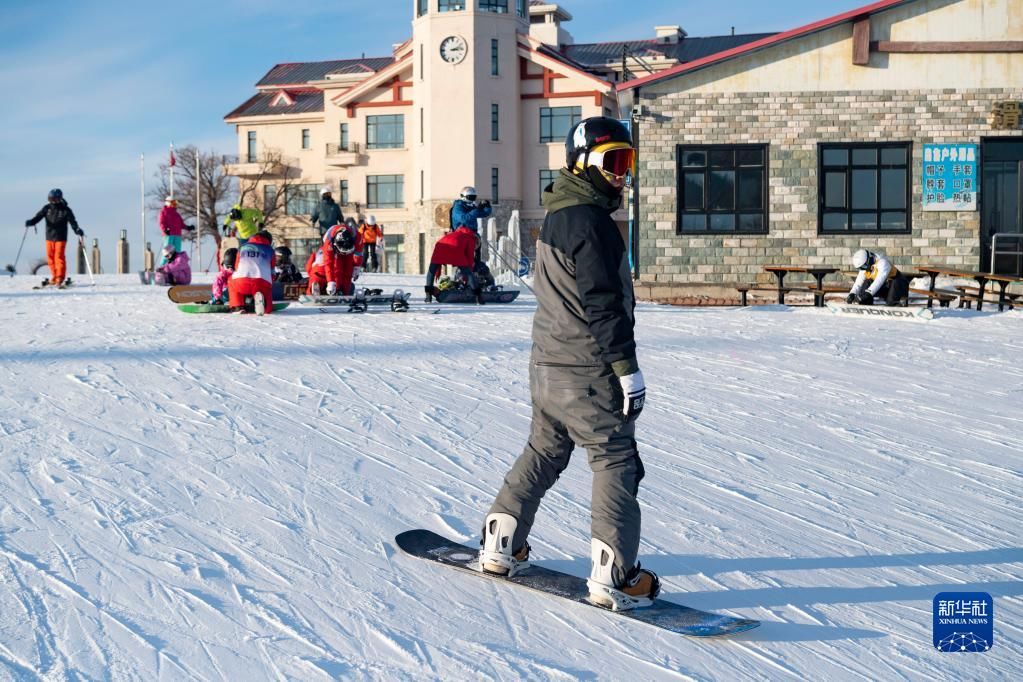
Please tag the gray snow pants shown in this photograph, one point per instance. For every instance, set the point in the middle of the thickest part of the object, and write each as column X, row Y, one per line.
column 578, row 406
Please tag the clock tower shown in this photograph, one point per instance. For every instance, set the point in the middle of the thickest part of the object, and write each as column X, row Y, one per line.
column 466, row 99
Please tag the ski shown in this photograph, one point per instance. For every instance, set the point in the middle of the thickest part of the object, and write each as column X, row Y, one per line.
column 683, row 620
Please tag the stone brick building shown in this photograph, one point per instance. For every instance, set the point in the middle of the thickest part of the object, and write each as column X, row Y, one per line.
column 805, row 146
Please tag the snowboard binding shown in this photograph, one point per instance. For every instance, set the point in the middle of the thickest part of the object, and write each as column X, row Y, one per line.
column 359, row 303
column 398, row 302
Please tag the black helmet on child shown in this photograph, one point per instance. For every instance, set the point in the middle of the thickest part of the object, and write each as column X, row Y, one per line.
column 344, row 242
column 230, row 258
column 600, row 149
column 283, row 254
column 55, row 195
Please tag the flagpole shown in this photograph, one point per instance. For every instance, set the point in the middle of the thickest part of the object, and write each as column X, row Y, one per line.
column 172, row 169
column 198, row 224
column 142, row 175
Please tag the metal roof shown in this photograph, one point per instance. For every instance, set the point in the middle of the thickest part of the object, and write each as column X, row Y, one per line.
column 304, row 72
column 306, row 101
column 685, row 50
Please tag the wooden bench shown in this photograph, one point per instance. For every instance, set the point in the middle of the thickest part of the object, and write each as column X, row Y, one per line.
column 969, row 295
column 942, row 296
column 743, row 290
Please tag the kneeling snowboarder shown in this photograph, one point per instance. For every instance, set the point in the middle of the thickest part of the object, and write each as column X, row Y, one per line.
column 885, row 281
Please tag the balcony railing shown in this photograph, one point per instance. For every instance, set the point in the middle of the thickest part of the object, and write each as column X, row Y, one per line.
column 269, row 164
column 335, row 149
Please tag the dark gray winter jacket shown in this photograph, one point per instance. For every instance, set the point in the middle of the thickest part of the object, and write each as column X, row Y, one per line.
column 328, row 213
column 583, row 286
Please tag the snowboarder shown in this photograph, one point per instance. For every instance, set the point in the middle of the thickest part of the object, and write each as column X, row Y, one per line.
column 327, row 213
column 372, row 237
column 171, row 225
column 885, row 280
column 58, row 216
column 465, row 210
column 285, row 272
column 585, row 381
column 220, row 284
column 253, row 274
column 337, row 263
column 457, row 248
column 247, row 222
column 175, row 269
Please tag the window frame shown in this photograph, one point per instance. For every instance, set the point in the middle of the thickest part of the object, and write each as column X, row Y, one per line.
column 343, row 191
column 543, row 185
column 307, row 139
column 422, row 8
column 373, row 183
column 451, row 5
column 849, row 211
column 252, row 153
column 495, row 122
column 736, row 211
column 495, row 61
column 575, row 116
column 495, row 185
column 344, row 139
column 373, row 123
column 308, row 196
column 494, row 6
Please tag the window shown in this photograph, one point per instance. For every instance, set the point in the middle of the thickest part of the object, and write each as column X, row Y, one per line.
column 385, row 132
column 496, row 6
column 269, row 198
column 495, row 185
column 344, row 192
column 546, row 178
column 394, row 254
column 385, row 191
column 252, row 147
column 864, row 188
column 450, row 5
column 495, row 123
column 301, row 199
column 520, row 8
column 343, row 137
column 495, row 66
column 555, row 122
column 424, row 7
column 305, row 138
column 722, row 189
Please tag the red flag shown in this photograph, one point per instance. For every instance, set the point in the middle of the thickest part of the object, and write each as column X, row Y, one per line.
column 173, row 161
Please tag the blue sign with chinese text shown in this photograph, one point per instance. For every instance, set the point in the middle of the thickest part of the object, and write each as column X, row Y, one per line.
column 950, row 178
column 964, row 622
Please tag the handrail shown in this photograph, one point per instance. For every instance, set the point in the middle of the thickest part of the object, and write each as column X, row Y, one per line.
column 333, row 148
column 995, row 252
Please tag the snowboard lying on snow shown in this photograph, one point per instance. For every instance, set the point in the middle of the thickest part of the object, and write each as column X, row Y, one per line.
column 666, row 615
column 361, row 301
column 207, row 308
column 466, row 296
column 881, row 312
column 201, row 293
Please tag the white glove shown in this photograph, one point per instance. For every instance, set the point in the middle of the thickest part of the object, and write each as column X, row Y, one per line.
column 356, row 271
column 331, row 288
column 634, row 394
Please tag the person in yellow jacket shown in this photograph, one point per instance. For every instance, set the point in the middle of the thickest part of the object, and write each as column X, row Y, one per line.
column 247, row 222
column 372, row 237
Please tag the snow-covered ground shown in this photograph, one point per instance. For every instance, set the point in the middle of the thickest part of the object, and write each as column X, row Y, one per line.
column 216, row 496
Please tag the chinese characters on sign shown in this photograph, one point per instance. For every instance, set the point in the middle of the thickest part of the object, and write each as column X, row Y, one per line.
column 1006, row 115
column 950, row 180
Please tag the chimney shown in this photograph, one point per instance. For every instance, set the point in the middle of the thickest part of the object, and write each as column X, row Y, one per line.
column 669, row 35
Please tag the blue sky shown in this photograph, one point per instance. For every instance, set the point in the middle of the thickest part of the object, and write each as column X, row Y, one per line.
column 89, row 85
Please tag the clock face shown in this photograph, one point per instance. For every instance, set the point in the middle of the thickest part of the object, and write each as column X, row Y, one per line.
column 453, row 49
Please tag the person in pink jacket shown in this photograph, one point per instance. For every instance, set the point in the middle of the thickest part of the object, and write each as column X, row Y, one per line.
column 176, row 269
column 220, row 284
column 171, row 225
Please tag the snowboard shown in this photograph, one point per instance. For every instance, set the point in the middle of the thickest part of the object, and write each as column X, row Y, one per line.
column 289, row 291
column 666, row 615
column 207, row 308
column 915, row 313
column 360, row 302
column 201, row 293
column 466, row 296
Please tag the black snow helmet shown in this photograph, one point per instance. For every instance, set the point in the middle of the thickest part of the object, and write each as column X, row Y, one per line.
column 230, row 259
column 55, row 194
column 344, row 242
column 589, row 133
column 283, row 254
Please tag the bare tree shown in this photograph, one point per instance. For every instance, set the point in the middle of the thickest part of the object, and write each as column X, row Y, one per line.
column 268, row 189
column 216, row 190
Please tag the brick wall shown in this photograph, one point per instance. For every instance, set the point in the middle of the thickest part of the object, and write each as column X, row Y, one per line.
column 792, row 124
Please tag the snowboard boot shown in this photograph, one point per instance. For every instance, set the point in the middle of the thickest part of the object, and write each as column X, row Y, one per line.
column 431, row 293
column 497, row 557
column 635, row 589
column 259, row 303
column 479, row 296
column 65, row 284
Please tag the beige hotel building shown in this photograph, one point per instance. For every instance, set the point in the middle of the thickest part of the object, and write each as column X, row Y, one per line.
column 482, row 93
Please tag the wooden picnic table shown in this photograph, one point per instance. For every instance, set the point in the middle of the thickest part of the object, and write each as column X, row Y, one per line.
column 981, row 278
column 819, row 274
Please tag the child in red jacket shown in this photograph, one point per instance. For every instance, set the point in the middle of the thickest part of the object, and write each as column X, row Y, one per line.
column 337, row 264
column 457, row 248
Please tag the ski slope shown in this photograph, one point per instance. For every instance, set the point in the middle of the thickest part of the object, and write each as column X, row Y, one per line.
column 215, row 496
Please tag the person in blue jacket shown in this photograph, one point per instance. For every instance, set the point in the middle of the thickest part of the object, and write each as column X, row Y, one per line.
column 466, row 210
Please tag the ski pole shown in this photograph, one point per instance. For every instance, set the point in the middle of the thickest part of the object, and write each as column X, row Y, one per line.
column 14, row 268
column 88, row 266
